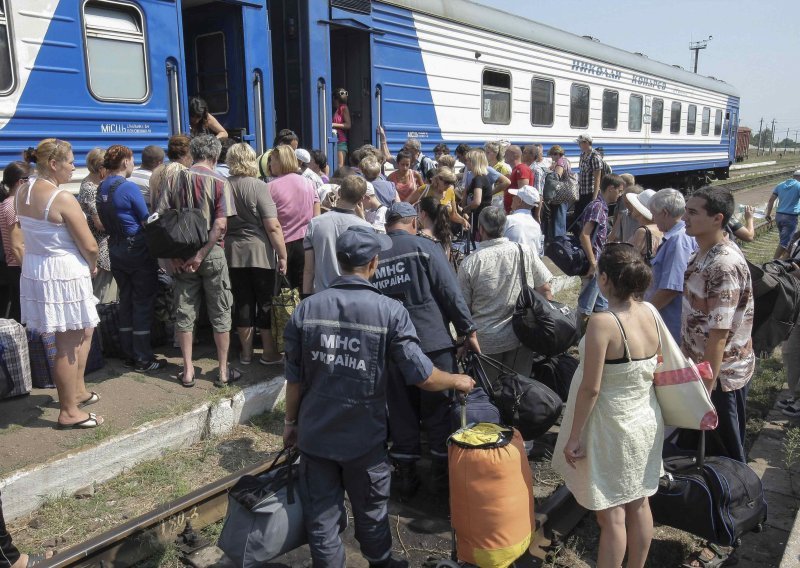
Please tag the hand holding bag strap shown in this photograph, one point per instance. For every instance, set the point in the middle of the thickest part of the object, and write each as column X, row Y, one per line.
column 280, row 279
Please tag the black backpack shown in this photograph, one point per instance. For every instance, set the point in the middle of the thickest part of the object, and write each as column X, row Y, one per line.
column 550, row 186
column 544, row 326
column 776, row 299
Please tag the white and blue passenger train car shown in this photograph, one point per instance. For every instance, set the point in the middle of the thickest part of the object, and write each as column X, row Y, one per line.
column 99, row 72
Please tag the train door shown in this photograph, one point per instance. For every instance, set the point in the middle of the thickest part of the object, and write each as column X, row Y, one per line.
column 351, row 71
column 227, row 54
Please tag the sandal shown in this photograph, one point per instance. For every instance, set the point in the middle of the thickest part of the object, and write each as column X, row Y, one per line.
column 93, row 399
column 181, row 374
column 233, row 376
column 277, row 361
column 712, row 556
column 92, row 422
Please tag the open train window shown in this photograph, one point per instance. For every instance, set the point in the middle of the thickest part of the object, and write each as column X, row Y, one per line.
column 7, row 75
column 542, row 101
column 657, row 115
column 610, row 109
column 675, row 118
column 496, row 96
column 691, row 120
column 706, row 126
column 579, row 106
column 717, row 122
column 116, row 54
column 635, row 106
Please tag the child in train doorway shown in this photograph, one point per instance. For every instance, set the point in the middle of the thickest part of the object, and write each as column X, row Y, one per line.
column 341, row 124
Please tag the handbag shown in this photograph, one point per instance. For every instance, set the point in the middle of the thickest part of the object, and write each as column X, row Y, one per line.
column 566, row 190
column 177, row 232
column 682, row 396
column 284, row 300
column 543, row 326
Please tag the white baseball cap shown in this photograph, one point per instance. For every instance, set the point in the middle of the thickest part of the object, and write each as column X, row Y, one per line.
column 526, row 193
column 302, row 156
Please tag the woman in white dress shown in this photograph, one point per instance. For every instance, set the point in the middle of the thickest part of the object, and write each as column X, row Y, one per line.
column 609, row 447
column 60, row 260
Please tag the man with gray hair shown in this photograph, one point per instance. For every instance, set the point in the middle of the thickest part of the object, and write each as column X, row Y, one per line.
column 419, row 161
column 672, row 258
column 490, row 280
column 204, row 275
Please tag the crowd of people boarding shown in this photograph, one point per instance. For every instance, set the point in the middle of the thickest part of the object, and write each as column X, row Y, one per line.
column 389, row 300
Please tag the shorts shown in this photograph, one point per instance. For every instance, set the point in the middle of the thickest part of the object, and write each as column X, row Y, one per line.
column 210, row 281
column 787, row 224
column 341, row 147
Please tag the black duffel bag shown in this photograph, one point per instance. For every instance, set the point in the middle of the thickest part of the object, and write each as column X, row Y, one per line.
column 567, row 253
column 480, row 407
column 715, row 498
column 524, row 403
column 544, row 326
column 177, row 232
column 556, row 373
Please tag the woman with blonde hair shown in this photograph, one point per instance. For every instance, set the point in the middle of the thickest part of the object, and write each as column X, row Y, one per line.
column 105, row 289
column 478, row 195
column 255, row 249
column 297, row 202
column 56, row 283
column 443, row 189
column 494, row 156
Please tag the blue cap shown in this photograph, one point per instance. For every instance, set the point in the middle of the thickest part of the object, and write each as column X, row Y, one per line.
column 400, row 210
column 361, row 244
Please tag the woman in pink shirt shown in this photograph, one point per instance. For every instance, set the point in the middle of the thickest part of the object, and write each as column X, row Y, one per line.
column 15, row 175
column 297, row 202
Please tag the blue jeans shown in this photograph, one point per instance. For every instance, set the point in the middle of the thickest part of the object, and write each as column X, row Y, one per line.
column 559, row 219
column 136, row 273
column 786, row 226
column 590, row 299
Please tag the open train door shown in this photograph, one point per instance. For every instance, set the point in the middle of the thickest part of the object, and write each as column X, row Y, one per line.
column 227, row 51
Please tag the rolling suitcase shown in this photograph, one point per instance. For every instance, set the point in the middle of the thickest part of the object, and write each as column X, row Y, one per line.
column 15, row 365
column 715, row 497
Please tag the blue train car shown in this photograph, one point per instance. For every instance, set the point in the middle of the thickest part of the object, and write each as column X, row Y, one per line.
column 98, row 72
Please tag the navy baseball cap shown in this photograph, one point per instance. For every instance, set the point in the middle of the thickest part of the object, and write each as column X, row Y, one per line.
column 400, row 210
column 358, row 245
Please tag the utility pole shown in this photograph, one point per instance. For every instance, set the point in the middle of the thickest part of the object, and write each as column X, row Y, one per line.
column 696, row 46
column 772, row 137
column 758, row 148
column 784, row 140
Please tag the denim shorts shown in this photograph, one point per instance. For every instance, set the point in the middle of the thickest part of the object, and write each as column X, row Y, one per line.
column 787, row 224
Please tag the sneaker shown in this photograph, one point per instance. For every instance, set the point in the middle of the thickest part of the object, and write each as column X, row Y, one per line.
column 793, row 410
column 785, row 402
column 129, row 363
column 405, row 480
column 154, row 365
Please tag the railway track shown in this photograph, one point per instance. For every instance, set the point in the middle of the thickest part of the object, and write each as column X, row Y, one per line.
column 749, row 181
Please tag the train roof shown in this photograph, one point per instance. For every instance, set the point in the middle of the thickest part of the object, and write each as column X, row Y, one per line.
column 517, row 26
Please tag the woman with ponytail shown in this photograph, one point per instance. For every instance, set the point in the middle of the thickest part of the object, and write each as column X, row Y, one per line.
column 56, row 283
column 434, row 221
column 609, row 447
column 15, row 175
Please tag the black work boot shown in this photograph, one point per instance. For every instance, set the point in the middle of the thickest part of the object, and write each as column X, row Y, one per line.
column 390, row 562
column 405, row 480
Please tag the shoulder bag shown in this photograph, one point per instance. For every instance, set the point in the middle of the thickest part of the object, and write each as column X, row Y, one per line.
column 543, row 326
column 177, row 232
column 681, row 393
column 284, row 301
column 566, row 190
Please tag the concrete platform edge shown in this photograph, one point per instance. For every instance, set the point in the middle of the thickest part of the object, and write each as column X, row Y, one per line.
column 26, row 489
column 791, row 555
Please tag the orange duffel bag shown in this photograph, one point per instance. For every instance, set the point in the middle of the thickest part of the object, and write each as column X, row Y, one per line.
column 491, row 495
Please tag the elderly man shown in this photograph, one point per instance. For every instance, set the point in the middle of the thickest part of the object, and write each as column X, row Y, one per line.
column 490, row 279
column 204, row 275
column 788, row 196
column 521, row 226
column 672, row 258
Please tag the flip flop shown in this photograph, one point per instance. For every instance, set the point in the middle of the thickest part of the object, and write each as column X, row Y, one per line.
column 233, row 376
column 268, row 363
column 91, row 422
column 34, row 559
column 711, row 557
column 93, row 399
column 188, row 385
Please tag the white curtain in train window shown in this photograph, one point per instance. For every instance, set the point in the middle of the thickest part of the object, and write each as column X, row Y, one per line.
column 542, row 101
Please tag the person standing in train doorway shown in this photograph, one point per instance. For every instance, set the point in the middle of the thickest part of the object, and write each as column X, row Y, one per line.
column 339, row 345
column 341, row 124
column 591, row 172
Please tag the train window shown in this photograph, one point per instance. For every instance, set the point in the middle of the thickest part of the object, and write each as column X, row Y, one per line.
column 706, row 127
column 610, row 109
column 717, row 122
column 691, row 120
column 212, row 74
column 657, row 115
column 579, row 106
column 675, row 118
column 635, row 106
column 116, row 55
column 542, row 101
column 496, row 97
column 6, row 54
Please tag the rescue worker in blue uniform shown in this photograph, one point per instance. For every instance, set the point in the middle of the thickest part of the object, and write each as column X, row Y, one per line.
column 339, row 346
column 416, row 272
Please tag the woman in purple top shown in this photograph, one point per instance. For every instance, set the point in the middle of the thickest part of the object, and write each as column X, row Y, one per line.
column 297, row 202
column 558, row 213
column 341, row 123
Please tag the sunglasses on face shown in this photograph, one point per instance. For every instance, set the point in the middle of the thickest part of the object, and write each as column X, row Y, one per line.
column 343, row 93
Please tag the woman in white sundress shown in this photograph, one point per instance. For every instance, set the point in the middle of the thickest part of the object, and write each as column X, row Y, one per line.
column 56, row 284
column 609, row 446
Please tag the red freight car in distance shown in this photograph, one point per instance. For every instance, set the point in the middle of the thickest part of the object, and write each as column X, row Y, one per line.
column 742, row 142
